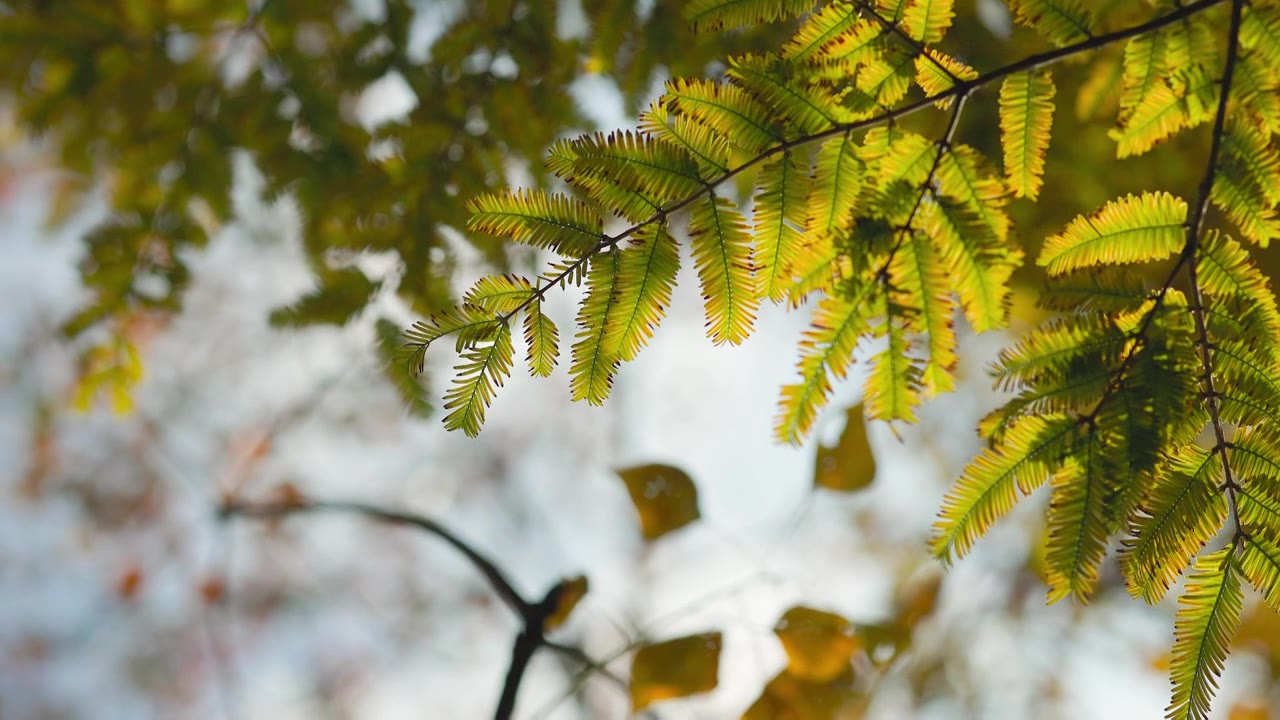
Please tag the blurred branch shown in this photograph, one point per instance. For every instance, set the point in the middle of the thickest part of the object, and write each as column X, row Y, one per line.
column 533, row 615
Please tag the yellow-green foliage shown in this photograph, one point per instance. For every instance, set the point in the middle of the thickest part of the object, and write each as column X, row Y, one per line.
column 897, row 229
column 154, row 98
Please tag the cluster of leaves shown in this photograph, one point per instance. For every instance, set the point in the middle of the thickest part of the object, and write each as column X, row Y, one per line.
column 151, row 99
column 897, row 233
column 831, row 661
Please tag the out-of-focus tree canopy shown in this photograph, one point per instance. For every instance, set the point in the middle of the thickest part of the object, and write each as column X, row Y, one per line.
column 152, row 100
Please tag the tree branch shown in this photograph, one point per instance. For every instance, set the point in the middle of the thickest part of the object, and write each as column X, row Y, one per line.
column 1195, row 227
column 521, row 653
column 533, row 615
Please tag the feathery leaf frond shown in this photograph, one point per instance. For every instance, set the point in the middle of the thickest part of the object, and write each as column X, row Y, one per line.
column 645, row 277
column 727, row 109
column 592, row 369
column 708, row 15
column 721, row 244
column 543, row 341
column 1059, row 21
column 1183, row 511
column 1077, row 523
column 1026, row 119
column 553, row 222
column 1032, row 449
column 826, row 350
column 1135, row 228
column 483, row 368
column 500, row 294
column 780, row 209
column 926, row 21
column 1208, row 615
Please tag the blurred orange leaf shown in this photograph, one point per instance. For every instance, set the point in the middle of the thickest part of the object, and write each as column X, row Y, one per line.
column 795, row 698
column 819, row 644
column 1260, row 633
column 129, row 582
column 675, row 668
column 288, row 494
column 212, row 589
column 568, row 594
column 1254, row 709
column 849, row 465
column 918, row 600
column 664, row 496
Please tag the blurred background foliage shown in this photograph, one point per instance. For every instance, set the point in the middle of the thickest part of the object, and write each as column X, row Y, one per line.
column 144, row 106
column 151, row 100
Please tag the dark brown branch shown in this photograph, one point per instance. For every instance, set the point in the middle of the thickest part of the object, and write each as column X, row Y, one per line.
column 521, row 653
column 533, row 615
column 1195, row 228
column 501, row 586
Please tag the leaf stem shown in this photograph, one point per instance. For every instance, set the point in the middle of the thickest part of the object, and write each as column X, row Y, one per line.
column 1195, row 227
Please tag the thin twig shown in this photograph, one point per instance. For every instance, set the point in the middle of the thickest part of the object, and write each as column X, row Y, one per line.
column 1195, row 229
column 501, row 586
column 533, row 615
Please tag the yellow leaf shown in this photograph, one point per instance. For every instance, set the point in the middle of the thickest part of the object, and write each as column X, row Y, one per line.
column 819, row 644
column 794, row 698
column 1252, row 709
column 918, row 600
column 674, row 669
column 568, row 593
column 665, row 498
column 849, row 465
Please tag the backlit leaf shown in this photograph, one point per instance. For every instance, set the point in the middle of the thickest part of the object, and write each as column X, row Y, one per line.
column 674, row 669
column 665, row 498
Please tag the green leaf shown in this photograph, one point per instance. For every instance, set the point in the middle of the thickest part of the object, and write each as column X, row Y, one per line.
column 1133, row 229
column 646, row 275
column 1078, row 529
column 1030, row 450
column 926, row 21
column 826, row 350
column 483, row 368
column 707, row 15
column 1168, row 108
column 1026, row 121
column 833, row 190
column 729, row 110
column 592, row 369
column 921, row 285
column 1208, row 615
column 722, row 255
column 554, row 222
column 1183, row 511
column 893, row 387
column 780, row 208
column 500, row 294
column 804, row 109
column 1061, row 22
column 542, row 339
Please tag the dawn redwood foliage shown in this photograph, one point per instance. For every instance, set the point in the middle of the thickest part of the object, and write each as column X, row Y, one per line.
column 892, row 231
